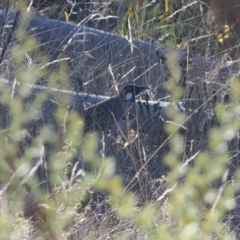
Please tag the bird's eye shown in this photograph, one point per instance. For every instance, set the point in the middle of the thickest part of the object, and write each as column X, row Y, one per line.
column 129, row 96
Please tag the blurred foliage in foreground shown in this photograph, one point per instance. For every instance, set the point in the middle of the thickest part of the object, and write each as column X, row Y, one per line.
column 97, row 205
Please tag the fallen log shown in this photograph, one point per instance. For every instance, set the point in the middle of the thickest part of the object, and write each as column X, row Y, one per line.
column 98, row 59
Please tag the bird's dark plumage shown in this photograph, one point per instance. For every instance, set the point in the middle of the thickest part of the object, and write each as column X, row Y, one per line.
column 99, row 116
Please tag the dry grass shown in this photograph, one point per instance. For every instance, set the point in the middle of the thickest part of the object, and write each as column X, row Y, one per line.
column 149, row 178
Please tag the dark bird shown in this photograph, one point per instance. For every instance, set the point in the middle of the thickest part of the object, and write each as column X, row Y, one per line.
column 102, row 114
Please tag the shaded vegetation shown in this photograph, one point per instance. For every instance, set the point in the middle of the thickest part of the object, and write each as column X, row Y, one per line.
column 144, row 180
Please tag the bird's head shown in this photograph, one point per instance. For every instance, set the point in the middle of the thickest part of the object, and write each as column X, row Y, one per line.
column 131, row 90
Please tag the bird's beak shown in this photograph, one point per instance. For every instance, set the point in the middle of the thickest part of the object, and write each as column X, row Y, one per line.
column 140, row 89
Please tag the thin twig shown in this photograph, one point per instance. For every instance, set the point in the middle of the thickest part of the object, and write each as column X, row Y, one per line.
column 9, row 38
